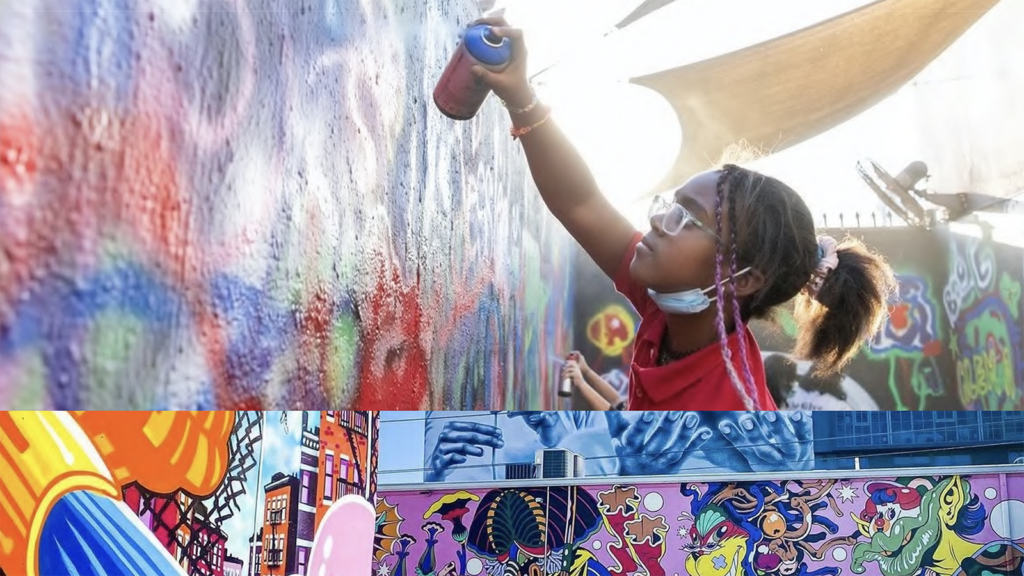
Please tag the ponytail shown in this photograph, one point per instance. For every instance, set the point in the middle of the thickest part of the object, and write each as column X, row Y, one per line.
column 843, row 305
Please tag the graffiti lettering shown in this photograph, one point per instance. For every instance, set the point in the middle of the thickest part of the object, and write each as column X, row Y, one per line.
column 990, row 364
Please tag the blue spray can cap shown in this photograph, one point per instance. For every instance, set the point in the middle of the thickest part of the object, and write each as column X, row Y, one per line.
column 483, row 44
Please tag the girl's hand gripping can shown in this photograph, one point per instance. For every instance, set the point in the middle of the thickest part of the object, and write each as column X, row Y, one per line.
column 565, row 389
column 459, row 94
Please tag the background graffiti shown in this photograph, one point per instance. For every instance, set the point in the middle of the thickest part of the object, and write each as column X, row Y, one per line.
column 279, row 223
column 888, row 526
column 953, row 340
column 476, row 446
column 196, row 493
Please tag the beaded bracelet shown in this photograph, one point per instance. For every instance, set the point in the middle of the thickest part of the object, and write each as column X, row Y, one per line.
column 530, row 106
column 520, row 132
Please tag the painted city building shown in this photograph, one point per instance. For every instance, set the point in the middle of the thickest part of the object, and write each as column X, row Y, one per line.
column 172, row 493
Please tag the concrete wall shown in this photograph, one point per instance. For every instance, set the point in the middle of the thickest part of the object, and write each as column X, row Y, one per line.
column 248, row 203
column 953, row 340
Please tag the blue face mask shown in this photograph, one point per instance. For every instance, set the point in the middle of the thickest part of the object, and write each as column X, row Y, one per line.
column 687, row 301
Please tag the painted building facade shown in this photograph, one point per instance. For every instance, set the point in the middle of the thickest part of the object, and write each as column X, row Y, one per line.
column 280, row 524
column 968, row 522
column 344, row 437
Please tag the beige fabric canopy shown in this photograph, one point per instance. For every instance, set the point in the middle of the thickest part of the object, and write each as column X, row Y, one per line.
column 778, row 93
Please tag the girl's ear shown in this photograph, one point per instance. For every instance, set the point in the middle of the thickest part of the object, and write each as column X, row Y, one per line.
column 749, row 283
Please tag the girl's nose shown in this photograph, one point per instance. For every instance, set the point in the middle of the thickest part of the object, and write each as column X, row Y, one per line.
column 656, row 221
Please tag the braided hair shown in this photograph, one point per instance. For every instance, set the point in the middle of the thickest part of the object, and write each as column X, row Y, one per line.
column 834, row 320
column 746, row 390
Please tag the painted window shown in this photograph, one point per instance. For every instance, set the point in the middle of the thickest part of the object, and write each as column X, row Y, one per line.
column 329, row 477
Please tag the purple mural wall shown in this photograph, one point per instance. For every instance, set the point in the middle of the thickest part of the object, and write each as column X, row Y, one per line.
column 241, row 204
column 937, row 525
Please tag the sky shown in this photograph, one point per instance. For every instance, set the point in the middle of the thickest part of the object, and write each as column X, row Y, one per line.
column 396, row 427
column 628, row 133
column 280, row 454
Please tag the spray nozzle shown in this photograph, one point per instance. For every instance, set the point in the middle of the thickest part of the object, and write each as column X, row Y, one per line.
column 491, row 38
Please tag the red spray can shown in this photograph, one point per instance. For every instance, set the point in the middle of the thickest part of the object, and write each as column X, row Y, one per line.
column 458, row 94
column 565, row 389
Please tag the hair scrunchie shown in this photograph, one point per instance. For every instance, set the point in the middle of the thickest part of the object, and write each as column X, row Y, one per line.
column 828, row 259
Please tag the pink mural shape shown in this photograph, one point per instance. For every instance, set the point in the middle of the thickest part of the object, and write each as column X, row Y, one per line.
column 344, row 543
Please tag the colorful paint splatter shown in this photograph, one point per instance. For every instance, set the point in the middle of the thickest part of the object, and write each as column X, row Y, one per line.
column 242, row 204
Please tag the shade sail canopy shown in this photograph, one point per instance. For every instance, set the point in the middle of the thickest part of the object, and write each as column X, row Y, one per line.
column 642, row 10
column 781, row 92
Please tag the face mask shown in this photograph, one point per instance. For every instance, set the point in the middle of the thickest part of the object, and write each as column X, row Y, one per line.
column 687, row 301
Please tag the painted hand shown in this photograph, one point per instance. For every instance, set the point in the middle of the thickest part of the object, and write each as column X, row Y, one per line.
column 547, row 425
column 458, row 441
column 657, row 442
column 763, row 441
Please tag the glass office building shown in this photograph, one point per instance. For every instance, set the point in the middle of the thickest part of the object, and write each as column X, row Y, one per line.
column 905, row 439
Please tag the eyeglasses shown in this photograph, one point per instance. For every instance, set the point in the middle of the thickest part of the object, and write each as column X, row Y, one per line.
column 674, row 217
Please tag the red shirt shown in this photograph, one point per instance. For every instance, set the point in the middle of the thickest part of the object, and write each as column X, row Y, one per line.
column 698, row 382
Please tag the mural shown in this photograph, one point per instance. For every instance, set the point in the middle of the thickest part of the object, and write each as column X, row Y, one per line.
column 480, row 446
column 246, row 204
column 953, row 339
column 186, row 493
column 983, row 301
column 948, row 526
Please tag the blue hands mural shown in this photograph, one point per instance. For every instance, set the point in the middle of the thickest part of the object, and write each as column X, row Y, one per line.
column 477, row 446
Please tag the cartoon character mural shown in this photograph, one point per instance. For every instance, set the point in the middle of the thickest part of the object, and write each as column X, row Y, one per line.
column 922, row 524
column 761, row 528
column 138, row 493
column 945, row 526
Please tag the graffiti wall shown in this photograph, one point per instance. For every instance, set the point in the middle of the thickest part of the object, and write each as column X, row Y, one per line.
column 982, row 299
column 952, row 341
column 176, row 493
column 963, row 525
column 482, row 446
column 247, row 204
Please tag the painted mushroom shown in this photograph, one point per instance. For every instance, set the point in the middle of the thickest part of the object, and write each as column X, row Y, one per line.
column 452, row 507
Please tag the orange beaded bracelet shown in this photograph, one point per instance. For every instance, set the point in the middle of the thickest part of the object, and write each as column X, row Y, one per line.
column 533, row 103
column 520, row 132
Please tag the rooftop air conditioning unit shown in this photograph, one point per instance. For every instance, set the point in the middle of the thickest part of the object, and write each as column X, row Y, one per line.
column 559, row 463
column 520, row 471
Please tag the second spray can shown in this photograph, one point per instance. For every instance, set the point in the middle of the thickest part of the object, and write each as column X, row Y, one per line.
column 565, row 389
column 459, row 94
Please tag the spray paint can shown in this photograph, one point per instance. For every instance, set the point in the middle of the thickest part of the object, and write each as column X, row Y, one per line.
column 565, row 389
column 458, row 94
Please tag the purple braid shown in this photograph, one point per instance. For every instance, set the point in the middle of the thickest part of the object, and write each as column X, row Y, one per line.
column 723, row 337
column 736, row 315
